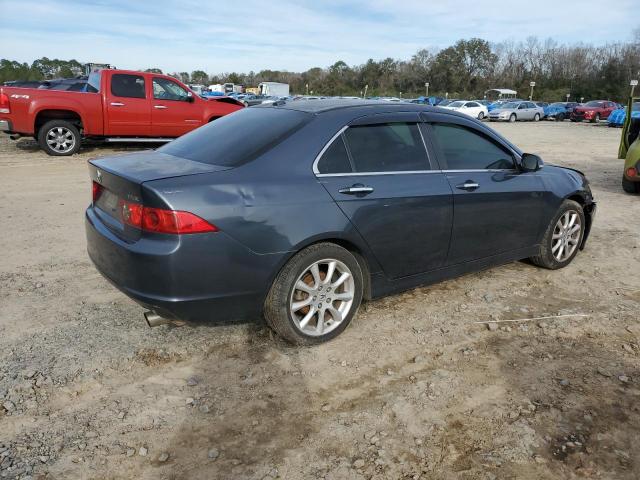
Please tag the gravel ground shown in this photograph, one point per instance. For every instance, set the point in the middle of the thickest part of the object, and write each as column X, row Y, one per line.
column 414, row 388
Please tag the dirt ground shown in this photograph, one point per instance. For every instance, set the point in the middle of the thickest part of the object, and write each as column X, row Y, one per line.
column 414, row 388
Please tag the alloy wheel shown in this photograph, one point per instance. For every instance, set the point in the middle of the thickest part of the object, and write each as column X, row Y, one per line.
column 61, row 139
column 566, row 235
column 322, row 297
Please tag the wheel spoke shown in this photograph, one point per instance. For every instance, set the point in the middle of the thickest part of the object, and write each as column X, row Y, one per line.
column 307, row 317
column 343, row 278
column 335, row 314
column 556, row 236
column 316, row 275
column 300, row 285
column 560, row 252
column 331, row 268
column 320, row 324
column 572, row 219
column 301, row 304
column 574, row 229
column 556, row 246
column 345, row 297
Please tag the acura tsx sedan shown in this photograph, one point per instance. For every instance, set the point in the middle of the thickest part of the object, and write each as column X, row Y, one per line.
column 299, row 211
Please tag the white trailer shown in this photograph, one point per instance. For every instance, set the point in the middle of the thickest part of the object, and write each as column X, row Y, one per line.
column 274, row 89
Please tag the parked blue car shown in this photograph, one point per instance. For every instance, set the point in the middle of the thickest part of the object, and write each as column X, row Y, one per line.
column 616, row 118
column 298, row 211
column 559, row 111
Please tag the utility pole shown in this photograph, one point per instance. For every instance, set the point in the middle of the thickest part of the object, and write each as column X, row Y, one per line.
column 426, row 89
column 531, row 84
column 366, row 87
column 634, row 84
column 307, row 87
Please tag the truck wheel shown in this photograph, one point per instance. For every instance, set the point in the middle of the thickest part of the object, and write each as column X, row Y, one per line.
column 629, row 186
column 59, row 138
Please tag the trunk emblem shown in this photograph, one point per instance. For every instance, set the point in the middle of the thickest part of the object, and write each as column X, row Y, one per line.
column 99, row 175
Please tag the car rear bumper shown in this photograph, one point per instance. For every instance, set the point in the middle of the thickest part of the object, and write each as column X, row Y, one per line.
column 5, row 126
column 197, row 278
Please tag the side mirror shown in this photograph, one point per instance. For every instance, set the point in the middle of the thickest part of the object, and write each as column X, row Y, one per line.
column 190, row 97
column 531, row 162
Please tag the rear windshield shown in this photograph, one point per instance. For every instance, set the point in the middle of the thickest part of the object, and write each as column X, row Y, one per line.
column 237, row 138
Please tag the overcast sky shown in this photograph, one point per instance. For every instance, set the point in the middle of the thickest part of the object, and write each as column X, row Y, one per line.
column 224, row 36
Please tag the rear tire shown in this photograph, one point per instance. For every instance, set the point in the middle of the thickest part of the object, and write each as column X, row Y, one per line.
column 552, row 253
column 300, row 307
column 59, row 138
column 560, row 117
column 513, row 118
column 629, row 186
column 536, row 117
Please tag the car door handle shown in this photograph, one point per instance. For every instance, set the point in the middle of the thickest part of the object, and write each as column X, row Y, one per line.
column 356, row 189
column 117, row 104
column 468, row 185
column 160, row 107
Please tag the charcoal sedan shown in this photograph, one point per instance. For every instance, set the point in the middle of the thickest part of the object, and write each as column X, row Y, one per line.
column 298, row 211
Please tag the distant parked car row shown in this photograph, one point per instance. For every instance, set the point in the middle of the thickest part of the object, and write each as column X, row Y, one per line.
column 616, row 118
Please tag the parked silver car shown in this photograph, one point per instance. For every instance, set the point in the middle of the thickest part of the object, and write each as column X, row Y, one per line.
column 512, row 111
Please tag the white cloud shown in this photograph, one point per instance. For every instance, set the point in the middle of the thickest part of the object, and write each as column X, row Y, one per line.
column 289, row 35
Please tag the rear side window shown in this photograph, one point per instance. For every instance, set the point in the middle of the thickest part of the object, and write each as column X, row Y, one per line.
column 465, row 149
column 391, row 147
column 238, row 137
column 129, row 86
column 335, row 159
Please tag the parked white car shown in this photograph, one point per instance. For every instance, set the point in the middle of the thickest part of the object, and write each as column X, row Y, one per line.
column 471, row 108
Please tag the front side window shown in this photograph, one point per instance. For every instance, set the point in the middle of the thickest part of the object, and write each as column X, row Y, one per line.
column 128, row 86
column 389, row 147
column 165, row 89
column 466, row 149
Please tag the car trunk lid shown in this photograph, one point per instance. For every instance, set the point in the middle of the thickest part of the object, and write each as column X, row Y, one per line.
column 118, row 182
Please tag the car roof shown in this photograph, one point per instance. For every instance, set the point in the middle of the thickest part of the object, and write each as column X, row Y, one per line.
column 330, row 104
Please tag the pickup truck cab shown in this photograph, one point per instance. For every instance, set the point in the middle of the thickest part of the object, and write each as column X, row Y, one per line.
column 117, row 106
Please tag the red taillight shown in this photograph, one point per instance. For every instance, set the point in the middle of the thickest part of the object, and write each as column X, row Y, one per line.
column 96, row 188
column 159, row 220
column 4, row 103
column 631, row 172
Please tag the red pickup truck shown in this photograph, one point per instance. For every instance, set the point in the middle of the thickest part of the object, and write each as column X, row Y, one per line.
column 118, row 105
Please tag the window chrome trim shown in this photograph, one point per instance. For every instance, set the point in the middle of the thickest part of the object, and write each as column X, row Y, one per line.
column 317, row 173
column 472, row 170
column 364, row 174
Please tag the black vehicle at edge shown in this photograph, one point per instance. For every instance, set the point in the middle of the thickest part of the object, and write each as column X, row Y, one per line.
column 299, row 210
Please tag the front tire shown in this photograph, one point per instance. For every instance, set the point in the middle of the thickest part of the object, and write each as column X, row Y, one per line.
column 512, row 118
column 629, row 186
column 596, row 119
column 480, row 115
column 316, row 295
column 59, row 138
column 560, row 117
column 562, row 238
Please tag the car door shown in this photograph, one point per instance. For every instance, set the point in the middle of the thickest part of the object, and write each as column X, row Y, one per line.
column 524, row 112
column 174, row 111
column 127, row 109
column 497, row 207
column 378, row 171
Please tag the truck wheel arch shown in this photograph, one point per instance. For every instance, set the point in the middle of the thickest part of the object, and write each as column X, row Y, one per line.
column 45, row 115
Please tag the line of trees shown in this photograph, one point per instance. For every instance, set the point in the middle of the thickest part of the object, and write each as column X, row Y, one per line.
column 466, row 69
